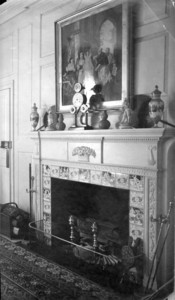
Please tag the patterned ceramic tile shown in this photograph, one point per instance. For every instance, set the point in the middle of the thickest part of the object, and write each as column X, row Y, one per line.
column 136, row 182
column 84, row 175
column 136, row 231
column 46, row 182
column 46, row 170
column 136, row 199
column 122, row 181
column 46, row 193
column 108, row 179
column 152, row 213
column 136, row 216
column 96, row 177
column 55, row 171
column 47, row 206
column 47, row 229
column 47, row 241
column 47, row 219
column 64, row 172
column 74, row 174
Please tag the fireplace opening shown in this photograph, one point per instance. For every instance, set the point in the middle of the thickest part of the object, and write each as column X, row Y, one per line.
column 94, row 220
column 87, row 204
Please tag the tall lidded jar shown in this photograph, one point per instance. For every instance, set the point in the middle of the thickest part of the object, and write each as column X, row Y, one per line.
column 156, row 106
column 34, row 117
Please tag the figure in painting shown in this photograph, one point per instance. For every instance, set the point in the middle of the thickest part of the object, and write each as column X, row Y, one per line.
column 69, row 80
column 79, row 67
column 71, row 66
column 102, row 68
column 109, row 56
column 114, row 70
column 70, row 75
column 88, row 66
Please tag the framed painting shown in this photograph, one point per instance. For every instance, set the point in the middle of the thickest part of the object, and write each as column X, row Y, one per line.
column 92, row 47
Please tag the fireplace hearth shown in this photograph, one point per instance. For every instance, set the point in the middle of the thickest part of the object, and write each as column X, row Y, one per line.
column 122, row 276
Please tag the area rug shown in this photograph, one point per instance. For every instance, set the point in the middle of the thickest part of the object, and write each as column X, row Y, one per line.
column 26, row 275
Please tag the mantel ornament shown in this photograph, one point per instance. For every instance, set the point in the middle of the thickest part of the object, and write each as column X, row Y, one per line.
column 50, row 120
column 151, row 155
column 34, row 117
column 104, row 123
column 60, row 125
column 79, row 106
column 156, row 107
column 84, row 153
column 128, row 119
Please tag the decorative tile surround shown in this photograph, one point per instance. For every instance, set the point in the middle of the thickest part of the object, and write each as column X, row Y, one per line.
column 117, row 180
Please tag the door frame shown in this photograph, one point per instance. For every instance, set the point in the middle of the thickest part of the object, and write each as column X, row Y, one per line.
column 9, row 85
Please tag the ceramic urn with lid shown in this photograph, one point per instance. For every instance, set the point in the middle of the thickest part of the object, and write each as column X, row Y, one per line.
column 156, row 106
column 34, row 117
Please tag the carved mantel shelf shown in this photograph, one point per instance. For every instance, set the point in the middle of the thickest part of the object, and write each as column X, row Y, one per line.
column 150, row 133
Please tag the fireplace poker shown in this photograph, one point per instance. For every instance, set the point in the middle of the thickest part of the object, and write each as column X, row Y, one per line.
column 30, row 191
column 155, row 252
column 163, row 221
column 163, row 244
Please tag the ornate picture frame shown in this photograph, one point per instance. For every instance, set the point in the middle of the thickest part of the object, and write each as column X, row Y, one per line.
column 92, row 47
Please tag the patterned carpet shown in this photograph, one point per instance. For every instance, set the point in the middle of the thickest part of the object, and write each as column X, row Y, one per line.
column 26, row 275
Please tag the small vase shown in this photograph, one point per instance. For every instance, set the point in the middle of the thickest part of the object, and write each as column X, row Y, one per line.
column 50, row 121
column 34, row 117
column 104, row 123
column 60, row 125
column 156, row 107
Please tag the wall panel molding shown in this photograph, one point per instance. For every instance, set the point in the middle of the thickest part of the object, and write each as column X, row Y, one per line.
column 6, row 55
column 151, row 64
column 153, row 11
column 24, row 78
column 47, row 85
column 7, row 95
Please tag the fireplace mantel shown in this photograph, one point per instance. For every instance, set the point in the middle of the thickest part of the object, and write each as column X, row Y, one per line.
column 115, row 133
column 137, row 148
column 142, row 158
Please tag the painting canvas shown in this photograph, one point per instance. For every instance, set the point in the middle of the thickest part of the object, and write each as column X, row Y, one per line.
column 90, row 50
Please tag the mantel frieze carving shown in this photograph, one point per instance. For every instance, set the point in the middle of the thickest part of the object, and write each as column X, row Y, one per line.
column 127, row 135
column 151, row 155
